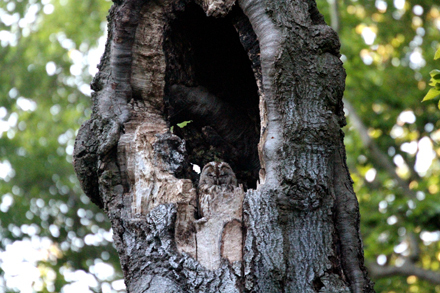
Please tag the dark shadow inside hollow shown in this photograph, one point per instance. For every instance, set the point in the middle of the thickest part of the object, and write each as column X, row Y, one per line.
column 210, row 81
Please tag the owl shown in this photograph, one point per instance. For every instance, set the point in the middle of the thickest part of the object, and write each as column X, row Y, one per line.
column 215, row 178
column 215, row 173
column 220, row 206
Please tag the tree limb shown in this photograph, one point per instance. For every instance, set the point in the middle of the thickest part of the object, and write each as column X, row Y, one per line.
column 407, row 269
column 377, row 155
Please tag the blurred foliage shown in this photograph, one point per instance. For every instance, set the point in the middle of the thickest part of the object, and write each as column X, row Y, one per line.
column 64, row 241
column 51, row 235
column 434, row 92
column 387, row 49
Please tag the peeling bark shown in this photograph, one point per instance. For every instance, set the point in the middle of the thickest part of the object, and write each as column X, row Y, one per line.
column 262, row 86
column 219, row 233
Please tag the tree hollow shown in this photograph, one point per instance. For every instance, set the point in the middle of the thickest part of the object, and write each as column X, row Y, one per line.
column 210, row 81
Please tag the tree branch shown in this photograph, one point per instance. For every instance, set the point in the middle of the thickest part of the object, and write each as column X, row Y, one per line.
column 334, row 15
column 407, row 269
column 377, row 155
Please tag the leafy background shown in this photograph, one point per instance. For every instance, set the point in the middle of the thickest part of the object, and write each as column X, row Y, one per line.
column 52, row 239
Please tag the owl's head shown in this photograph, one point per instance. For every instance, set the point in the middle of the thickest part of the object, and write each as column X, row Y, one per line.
column 217, row 173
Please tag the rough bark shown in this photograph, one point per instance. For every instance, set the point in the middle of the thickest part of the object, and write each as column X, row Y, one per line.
column 262, row 85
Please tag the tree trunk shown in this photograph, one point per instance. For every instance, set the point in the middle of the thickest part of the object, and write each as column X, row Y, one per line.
column 261, row 84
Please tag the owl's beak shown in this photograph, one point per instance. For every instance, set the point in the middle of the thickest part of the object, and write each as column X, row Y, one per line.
column 217, row 181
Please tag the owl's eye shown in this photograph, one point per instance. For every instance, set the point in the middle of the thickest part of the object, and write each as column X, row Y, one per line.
column 211, row 175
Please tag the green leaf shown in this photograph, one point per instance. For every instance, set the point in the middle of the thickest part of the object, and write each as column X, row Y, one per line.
column 184, row 123
column 433, row 93
column 434, row 73
column 437, row 54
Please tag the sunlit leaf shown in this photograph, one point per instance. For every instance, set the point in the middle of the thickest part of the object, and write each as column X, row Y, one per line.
column 435, row 73
column 432, row 94
column 437, row 54
column 184, row 123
